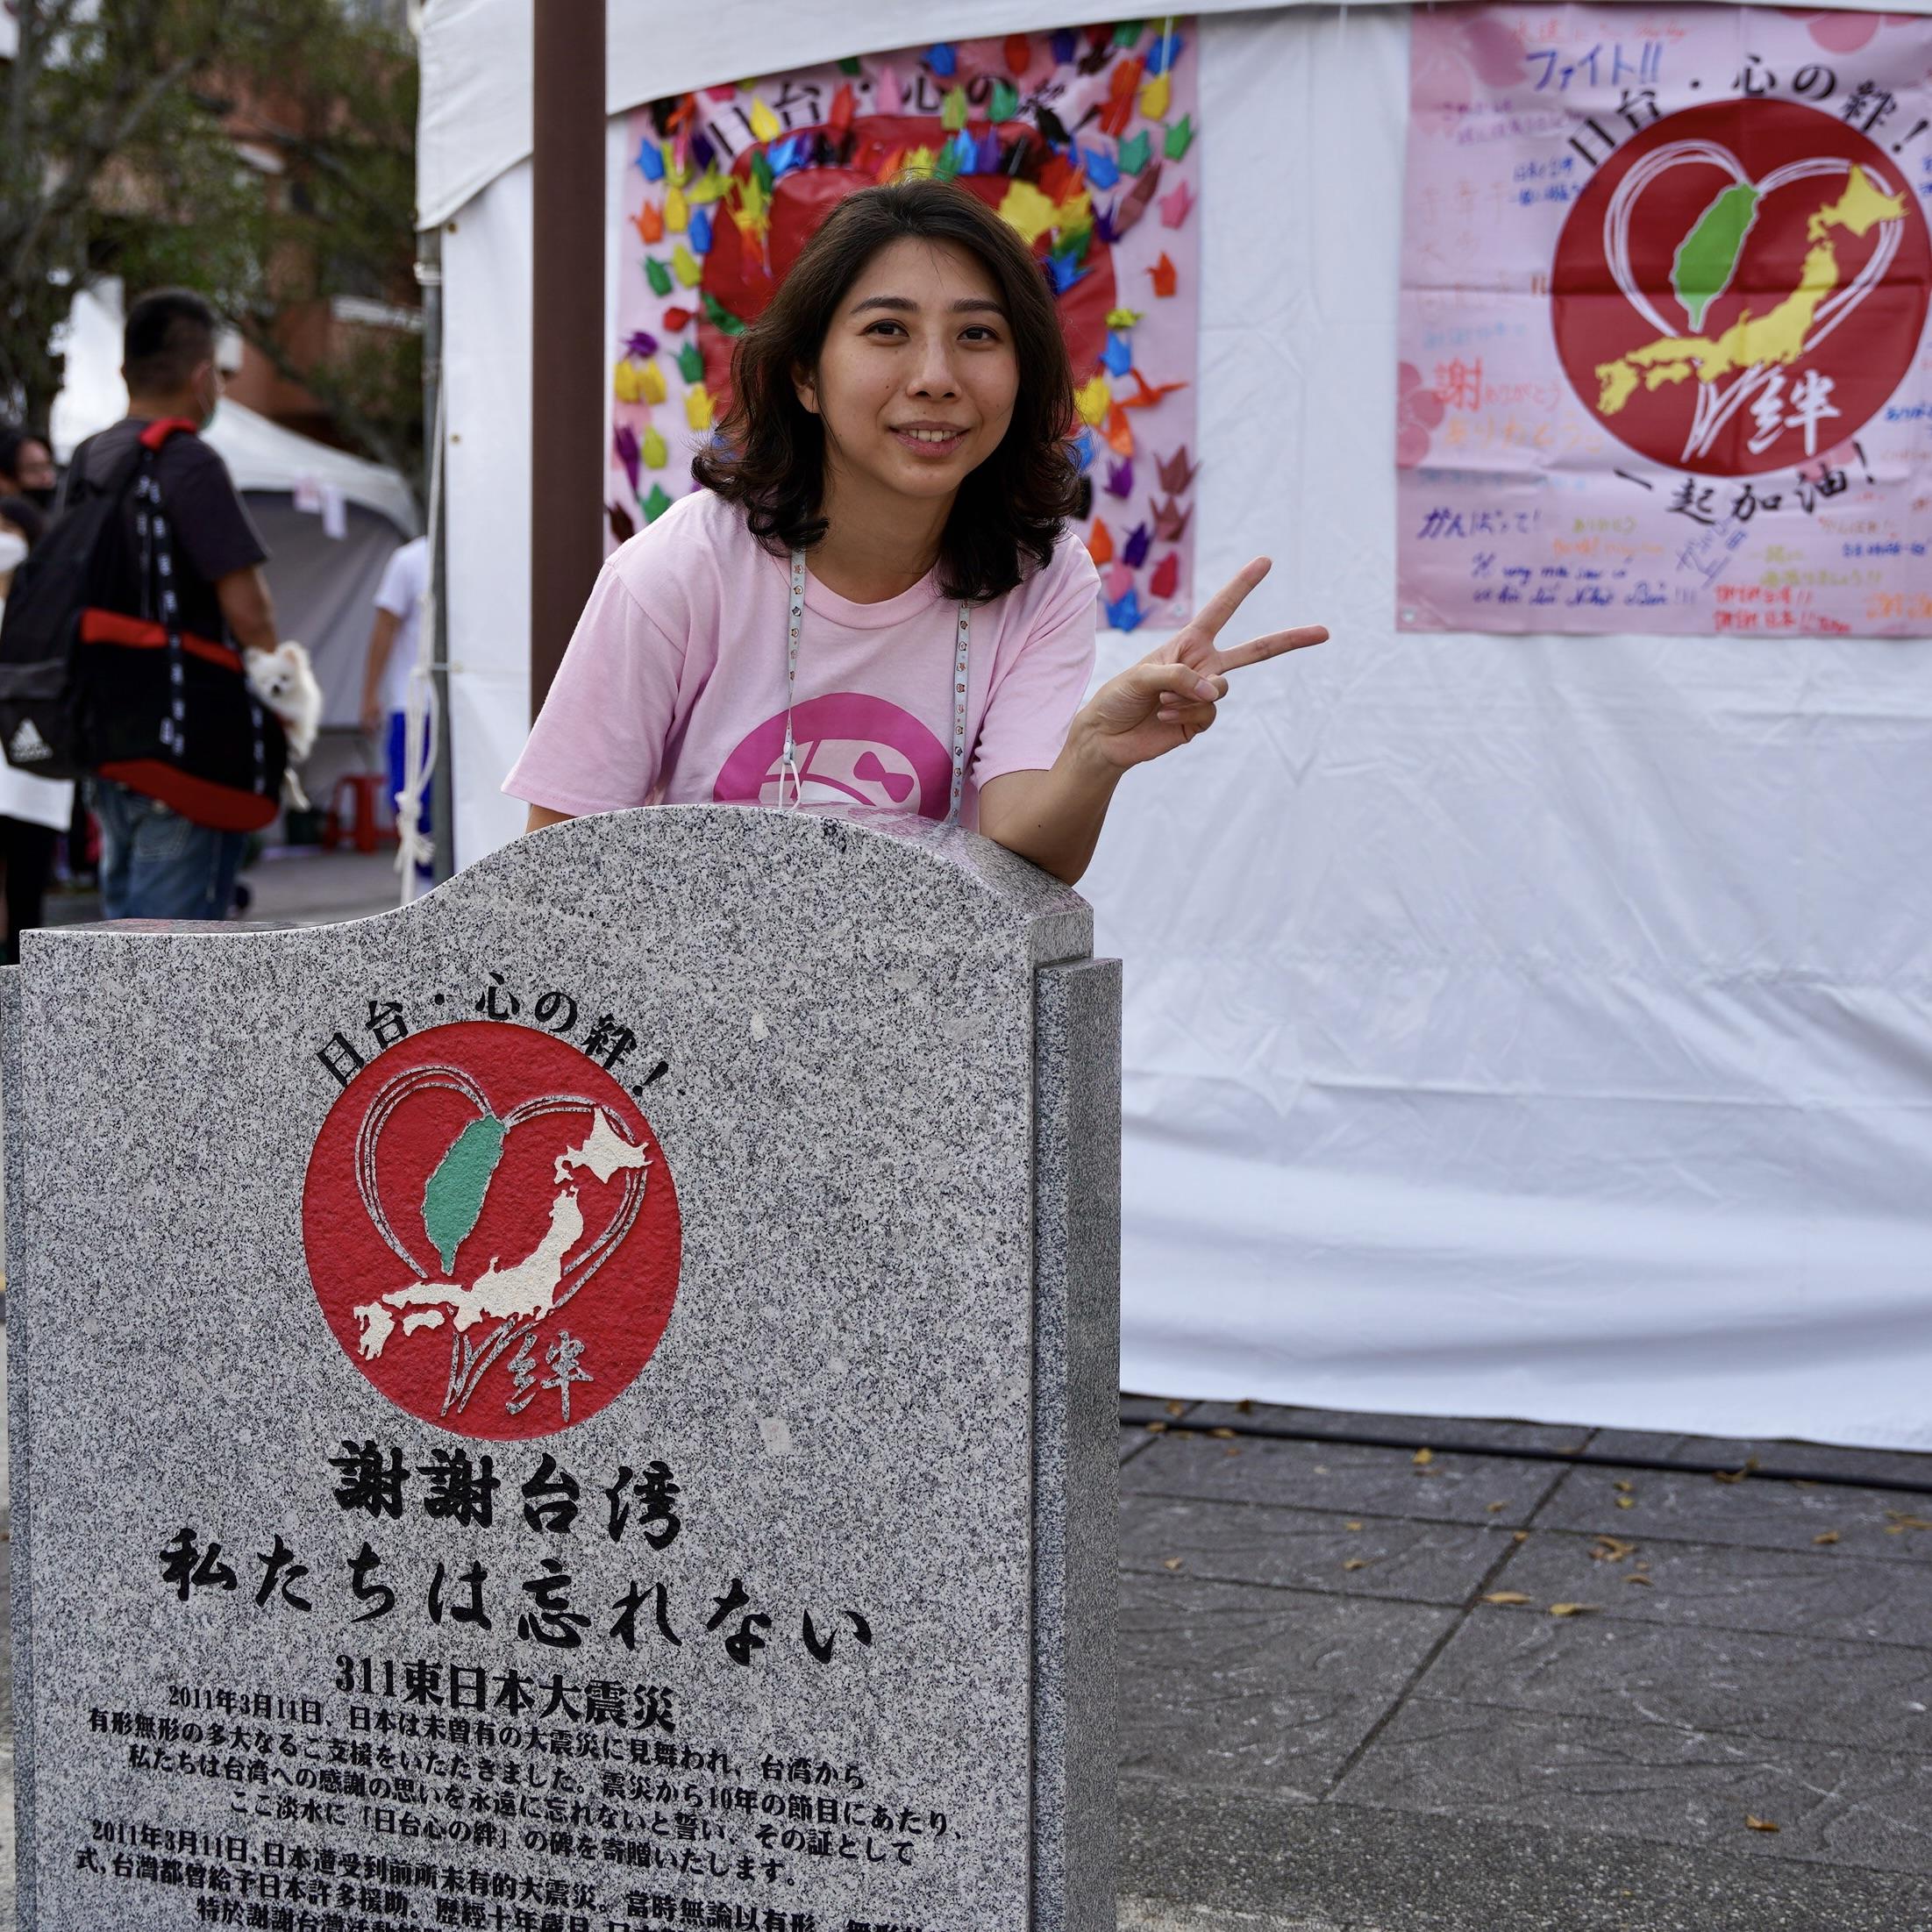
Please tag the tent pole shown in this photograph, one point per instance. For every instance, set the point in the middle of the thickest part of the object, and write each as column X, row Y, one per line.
column 568, row 351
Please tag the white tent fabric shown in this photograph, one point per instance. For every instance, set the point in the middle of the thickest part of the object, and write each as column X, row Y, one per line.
column 1526, row 1026
column 474, row 123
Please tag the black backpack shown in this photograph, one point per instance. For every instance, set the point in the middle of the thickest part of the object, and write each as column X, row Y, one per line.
column 41, row 729
column 96, row 675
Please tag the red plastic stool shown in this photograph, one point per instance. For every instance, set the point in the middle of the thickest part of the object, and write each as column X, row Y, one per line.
column 366, row 791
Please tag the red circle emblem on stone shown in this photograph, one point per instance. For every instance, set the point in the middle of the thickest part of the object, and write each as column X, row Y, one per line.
column 1761, row 212
column 492, row 1230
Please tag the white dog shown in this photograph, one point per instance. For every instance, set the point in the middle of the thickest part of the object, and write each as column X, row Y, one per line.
column 285, row 682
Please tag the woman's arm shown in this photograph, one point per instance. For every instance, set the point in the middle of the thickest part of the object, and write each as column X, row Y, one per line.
column 541, row 816
column 1167, row 700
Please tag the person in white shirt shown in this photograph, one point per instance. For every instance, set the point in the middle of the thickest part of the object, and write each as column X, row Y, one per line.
column 393, row 641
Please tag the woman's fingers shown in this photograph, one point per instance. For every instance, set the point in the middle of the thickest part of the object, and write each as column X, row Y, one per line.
column 1258, row 650
column 1165, row 681
column 1208, row 621
column 1190, row 717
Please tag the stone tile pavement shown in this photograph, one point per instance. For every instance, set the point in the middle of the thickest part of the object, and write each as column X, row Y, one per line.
column 1398, row 1674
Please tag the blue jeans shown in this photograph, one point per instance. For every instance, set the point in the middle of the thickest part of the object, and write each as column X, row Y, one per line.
column 156, row 864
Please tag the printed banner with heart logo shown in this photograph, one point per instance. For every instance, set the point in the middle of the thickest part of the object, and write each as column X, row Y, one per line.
column 1664, row 362
column 492, row 1230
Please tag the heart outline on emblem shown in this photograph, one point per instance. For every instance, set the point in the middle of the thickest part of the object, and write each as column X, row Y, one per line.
column 469, row 1363
column 1716, row 405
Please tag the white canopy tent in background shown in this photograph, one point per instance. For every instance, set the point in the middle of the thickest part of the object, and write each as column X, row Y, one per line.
column 331, row 520
column 1516, row 1026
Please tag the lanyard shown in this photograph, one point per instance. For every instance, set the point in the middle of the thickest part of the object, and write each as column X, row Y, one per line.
column 160, row 594
column 787, row 767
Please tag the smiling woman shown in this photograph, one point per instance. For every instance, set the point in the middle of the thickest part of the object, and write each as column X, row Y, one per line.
column 886, row 504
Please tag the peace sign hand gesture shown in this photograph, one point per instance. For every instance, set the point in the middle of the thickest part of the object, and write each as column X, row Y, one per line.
column 1169, row 697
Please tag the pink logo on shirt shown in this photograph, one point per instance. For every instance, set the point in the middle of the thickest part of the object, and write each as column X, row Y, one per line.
column 851, row 750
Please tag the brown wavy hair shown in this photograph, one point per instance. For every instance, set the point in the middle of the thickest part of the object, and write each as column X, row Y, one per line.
column 769, row 455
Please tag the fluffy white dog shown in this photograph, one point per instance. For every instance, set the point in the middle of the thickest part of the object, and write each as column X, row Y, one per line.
column 285, row 682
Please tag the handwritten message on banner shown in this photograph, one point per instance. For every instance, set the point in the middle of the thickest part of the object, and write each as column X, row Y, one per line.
column 1084, row 140
column 1664, row 360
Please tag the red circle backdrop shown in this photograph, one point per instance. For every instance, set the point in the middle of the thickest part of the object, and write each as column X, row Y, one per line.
column 384, row 1136
column 1866, row 355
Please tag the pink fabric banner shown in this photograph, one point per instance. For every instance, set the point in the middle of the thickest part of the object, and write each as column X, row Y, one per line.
column 1664, row 361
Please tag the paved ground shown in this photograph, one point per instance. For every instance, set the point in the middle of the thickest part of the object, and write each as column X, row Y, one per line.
column 1353, row 1698
column 295, row 885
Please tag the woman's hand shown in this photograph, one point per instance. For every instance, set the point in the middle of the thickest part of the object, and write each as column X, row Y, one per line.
column 1169, row 697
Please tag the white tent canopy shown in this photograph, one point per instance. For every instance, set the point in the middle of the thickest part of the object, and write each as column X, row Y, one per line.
column 475, row 119
column 1514, row 1025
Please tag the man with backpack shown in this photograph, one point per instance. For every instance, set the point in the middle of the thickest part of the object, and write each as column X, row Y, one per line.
column 186, row 762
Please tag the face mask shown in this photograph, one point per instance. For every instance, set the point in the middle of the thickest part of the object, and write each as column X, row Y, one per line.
column 13, row 552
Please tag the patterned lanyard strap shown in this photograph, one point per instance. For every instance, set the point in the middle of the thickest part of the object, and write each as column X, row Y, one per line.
column 787, row 765
column 158, row 569
column 158, row 586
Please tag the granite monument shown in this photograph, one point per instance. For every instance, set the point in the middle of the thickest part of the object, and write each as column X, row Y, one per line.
column 583, row 1404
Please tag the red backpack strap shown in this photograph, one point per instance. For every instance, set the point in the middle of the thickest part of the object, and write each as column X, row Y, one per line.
column 158, row 432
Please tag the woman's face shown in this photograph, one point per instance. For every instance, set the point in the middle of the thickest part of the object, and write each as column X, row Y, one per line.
column 917, row 379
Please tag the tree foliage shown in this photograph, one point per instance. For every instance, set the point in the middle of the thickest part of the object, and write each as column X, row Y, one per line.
column 261, row 151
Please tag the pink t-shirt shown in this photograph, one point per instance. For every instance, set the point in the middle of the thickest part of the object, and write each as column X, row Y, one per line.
column 673, row 690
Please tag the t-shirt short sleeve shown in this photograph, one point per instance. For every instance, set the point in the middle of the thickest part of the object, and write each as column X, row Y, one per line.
column 404, row 579
column 1037, row 692
column 598, row 744
column 208, row 518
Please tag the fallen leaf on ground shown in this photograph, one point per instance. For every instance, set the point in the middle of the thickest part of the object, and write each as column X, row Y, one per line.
column 1223, row 1434
column 1353, row 1524
column 1903, row 1520
column 1172, row 1563
column 1423, row 1457
column 1505, row 1596
column 1246, row 1407
column 1626, row 1502
column 1621, row 1485
column 1639, row 1576
column 1612, row 1549
column 1496, row 1508
column 1570, row 1610
column 1826, row 1536
column 1356, row 1562
column 1157, row 1428
column 1523, row 1535
column 1759, row 1824
column 1176, row 1409
column 1736, row 1475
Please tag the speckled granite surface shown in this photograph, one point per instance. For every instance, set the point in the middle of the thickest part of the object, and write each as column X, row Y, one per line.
column 844, row 1019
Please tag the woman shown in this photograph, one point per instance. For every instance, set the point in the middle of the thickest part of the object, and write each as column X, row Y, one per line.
column 33, row 811
column 876, row 597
